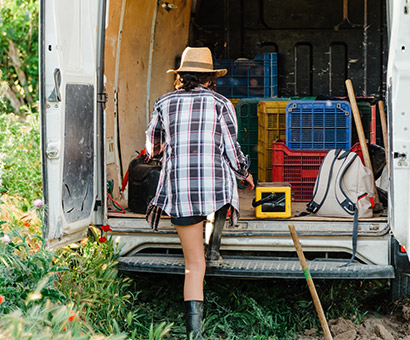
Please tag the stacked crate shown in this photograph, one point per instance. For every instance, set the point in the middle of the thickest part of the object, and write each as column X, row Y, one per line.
column 286, row 138
column 249, row 77
column 271, row 128
column 312, row 128
column 247, row 82
column 319, row 125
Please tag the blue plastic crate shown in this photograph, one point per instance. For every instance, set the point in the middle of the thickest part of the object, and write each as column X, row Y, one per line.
column 249, row 78
column 318, row 125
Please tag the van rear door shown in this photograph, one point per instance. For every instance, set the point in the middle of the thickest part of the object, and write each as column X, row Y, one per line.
column 71, row 33
column 398, row 90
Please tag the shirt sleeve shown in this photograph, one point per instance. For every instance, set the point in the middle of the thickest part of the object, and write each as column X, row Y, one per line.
column 233, row 153
column 154, row 134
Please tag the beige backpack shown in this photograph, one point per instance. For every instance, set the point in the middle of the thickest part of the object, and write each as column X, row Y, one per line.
column 344, row 188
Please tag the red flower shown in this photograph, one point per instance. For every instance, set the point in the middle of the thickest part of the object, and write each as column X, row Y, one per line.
column 72, row 317
column 1, row 299
column 26, row 224
column 106, row 228
column 102, row 239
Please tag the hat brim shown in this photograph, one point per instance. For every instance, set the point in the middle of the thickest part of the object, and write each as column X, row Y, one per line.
column 218, row 73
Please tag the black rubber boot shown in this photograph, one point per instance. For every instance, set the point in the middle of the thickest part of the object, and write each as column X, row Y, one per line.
column 212, row 249
column 194, row 311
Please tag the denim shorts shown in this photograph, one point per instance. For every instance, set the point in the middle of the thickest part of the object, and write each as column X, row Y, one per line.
column 183, row 221
column 189, row 220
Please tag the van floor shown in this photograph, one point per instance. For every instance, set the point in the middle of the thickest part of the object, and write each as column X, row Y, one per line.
column 247, row 212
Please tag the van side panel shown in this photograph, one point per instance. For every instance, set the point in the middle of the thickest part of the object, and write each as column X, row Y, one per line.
column 136, row 72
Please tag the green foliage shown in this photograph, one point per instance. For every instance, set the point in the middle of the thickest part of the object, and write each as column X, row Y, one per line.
column 21, row 272
column 257, row 309
column 49, row 322
column 19, row 52
column 20, row 162
column 94, row 282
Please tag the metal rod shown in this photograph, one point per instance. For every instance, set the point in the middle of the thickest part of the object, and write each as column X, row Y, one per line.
column 150, row 56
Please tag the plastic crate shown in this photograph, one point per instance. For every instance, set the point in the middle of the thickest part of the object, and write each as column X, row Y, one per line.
column 365, row 110
column 271, row 128
column 249, row 78
column 299, row 167
column 247, row 115
column 234, row 101
column 319, row 125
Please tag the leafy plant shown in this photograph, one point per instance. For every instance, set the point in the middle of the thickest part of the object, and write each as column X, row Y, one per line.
column 19, row 53
column 22, row 268
column 93, row 282
column 20, row 162
column 50, row 321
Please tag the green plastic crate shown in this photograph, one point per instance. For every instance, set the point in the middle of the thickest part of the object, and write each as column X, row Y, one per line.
column 247, row 115
column 365, row 110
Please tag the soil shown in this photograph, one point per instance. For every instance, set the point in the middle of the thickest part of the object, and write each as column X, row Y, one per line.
column 382, row 327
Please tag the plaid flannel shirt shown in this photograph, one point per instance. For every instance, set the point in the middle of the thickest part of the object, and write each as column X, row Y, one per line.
column 196, row 131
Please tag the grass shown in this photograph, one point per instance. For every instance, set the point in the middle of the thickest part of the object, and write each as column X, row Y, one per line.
column 258, row 309
column 20, row 162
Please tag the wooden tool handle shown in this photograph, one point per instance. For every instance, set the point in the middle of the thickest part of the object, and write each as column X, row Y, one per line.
column 359, row 125
column 384, row 131
column 362, row 138
column 311, row 285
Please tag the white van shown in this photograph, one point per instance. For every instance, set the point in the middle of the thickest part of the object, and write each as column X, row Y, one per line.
column 103, row 64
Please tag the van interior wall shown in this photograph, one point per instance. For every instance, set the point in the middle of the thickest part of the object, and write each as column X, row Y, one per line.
column 135, row 75
column 319, row 43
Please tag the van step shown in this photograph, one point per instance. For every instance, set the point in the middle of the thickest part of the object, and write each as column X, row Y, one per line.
column 257, row 267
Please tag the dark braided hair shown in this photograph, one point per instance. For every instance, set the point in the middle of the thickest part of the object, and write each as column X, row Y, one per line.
column 188, row 81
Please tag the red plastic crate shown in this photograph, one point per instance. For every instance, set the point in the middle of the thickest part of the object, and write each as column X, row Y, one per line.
column 299, row 168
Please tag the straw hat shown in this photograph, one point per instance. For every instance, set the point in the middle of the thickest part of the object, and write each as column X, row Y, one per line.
column 198, row 59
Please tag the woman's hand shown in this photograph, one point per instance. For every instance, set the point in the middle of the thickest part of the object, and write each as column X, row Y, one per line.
column 249, row 180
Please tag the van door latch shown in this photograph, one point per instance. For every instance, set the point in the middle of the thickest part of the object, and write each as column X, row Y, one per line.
column 55, row 95
column 399, row 155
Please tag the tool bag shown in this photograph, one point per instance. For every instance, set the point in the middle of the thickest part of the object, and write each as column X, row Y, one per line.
column 143, row 182
column 344, row 188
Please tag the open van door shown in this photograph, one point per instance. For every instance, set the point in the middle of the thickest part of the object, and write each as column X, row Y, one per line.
column 71, row 73
column 398, row 90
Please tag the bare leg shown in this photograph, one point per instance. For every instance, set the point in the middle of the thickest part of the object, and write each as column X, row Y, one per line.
column 192, row 243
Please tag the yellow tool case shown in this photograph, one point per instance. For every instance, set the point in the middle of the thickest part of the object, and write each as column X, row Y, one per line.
column 273, row 200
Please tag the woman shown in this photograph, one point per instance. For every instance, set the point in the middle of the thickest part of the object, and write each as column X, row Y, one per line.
column 195, row 128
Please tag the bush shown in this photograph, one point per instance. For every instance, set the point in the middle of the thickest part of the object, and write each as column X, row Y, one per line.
column 18, row 54
column 48, row 322
column 93, row 281
column 20, row 162
column 27, row 274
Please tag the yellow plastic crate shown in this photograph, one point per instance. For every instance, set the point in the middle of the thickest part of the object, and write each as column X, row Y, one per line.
column 279, row 207
column 234, row 101
column 271, row 128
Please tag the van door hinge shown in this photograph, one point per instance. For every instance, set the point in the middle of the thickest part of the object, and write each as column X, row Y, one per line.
column 102, row 97
column 98, row 203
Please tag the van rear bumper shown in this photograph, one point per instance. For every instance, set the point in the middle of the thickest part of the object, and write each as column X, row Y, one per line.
column 257, row 267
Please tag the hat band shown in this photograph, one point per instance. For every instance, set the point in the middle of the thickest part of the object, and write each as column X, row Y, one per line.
column 196, row 64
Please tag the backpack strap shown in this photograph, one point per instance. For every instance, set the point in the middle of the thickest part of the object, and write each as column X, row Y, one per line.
column 313, row 206
column 344, row 201
column 354, row 237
